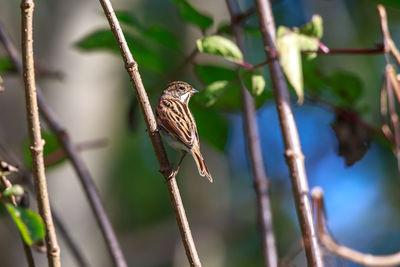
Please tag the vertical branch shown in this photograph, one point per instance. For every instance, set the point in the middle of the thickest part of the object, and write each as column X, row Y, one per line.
column 390, row 75
column 261, row 183
column 77, row 163
column 35, row 136
column 165, row 166
column 293, row 153
column 27, row 249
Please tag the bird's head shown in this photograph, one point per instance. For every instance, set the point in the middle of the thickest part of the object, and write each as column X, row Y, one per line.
column 181, row 91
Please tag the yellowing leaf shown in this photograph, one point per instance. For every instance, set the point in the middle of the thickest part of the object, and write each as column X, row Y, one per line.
column 289, row 45
column 314, row 28
column 290, row 59
column 220, row 46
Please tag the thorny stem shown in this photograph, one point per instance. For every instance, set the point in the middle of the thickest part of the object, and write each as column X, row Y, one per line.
column 261, row 183
column 28, row 252
column 342, row 251
column 35, row 136
column 165, row 166
column 73, row 154
column 293, row 152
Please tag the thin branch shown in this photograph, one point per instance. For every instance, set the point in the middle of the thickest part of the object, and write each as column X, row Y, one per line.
column 27, row 250
column 388, row 43
column 350, row 51
column 394, row 118
column 347, row 114
column 35, row 136
column 76, row 160
column 293, row 153
column 261, row 183
column 239, row 17
column 70, row 243
column 25, row 178
column 60, row 154
column 317, row 195
column 165, row 166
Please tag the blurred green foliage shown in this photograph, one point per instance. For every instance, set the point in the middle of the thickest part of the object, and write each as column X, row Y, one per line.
column 29, row 223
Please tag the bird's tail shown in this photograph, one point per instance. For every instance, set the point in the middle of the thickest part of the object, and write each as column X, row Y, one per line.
column 201, row 165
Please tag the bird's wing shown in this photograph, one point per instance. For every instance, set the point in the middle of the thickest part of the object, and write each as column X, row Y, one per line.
column 175, row 117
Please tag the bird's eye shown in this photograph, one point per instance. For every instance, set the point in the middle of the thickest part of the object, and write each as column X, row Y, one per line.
column 181, row 88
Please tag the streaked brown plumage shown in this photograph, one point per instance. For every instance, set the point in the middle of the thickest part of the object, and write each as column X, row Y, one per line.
column 177, row 124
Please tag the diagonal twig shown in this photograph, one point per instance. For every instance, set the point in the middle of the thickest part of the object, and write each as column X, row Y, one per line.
column 25, row 177
column 261, row 183
column 165, row 166
column 293, row 153
column 28, row 252
column 317, row 195
column 77, row 162
column 35, row 135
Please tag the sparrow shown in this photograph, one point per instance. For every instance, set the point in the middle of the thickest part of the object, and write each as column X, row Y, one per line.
column 177, row 125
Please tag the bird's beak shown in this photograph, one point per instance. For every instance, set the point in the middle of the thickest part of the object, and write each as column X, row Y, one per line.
column 194, row 91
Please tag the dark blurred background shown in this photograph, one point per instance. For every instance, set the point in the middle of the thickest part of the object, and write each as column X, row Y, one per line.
column 94, row 100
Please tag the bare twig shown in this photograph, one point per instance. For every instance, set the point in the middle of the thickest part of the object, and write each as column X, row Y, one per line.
column 70, row 243
column 25, row 177
column 394, row 118
column 389, row 46
column 60, row 154
column 293, row 153
column 347, row 114
column 73, row 154
column 349, row 51
column 238, row 17
column 165, row 166
column 317, row 195
column 27, row 250
column 261, row 183
column 35, row 136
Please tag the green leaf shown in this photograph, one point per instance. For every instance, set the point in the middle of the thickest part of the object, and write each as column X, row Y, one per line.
column 211, row 73
column 104, row 40
column 347, row 87
column 254, row 81
column 314, row 28
column 51, row 145
column 212, row 92
column 163, row 37
column 29, row 224
column 15, row 190
column 191, row 15
column 6, row 65
column 224, row 28
column 128, row 19
column 389, row 3
column 289, row 45
column 220, row 46
column 215, row 131
column 230, row 97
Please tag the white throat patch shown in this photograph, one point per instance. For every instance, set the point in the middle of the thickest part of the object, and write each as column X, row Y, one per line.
column 185, row 97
